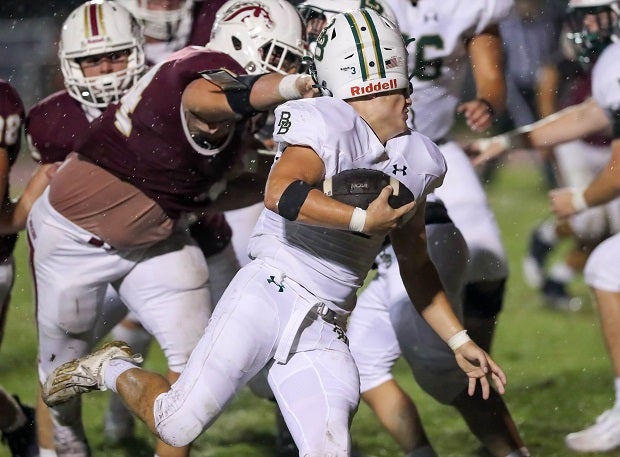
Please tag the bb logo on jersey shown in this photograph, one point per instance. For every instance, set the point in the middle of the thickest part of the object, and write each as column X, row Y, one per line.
column 371, row 88
column 285, row 124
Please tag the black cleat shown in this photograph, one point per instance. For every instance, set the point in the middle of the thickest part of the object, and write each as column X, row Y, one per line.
column 23, row 441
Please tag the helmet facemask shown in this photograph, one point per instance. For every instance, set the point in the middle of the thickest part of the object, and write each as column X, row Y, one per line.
column 592, row 29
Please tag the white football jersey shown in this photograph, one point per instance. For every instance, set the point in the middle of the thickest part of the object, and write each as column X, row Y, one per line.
column 606, row 80
column 438, row 57
column 318, row 258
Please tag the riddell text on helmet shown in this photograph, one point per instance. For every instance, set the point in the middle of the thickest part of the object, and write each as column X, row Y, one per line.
column 374, row 87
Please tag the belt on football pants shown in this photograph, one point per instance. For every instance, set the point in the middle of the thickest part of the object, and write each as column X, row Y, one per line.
column 329, row 315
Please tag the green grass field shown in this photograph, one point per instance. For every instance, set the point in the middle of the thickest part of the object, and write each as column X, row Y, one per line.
column 559, row 377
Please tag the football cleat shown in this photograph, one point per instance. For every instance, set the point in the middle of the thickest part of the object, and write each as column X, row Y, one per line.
column 23, row 441
column 557, row 297
column 534, row 262
column 603, row 436
column 84, row 374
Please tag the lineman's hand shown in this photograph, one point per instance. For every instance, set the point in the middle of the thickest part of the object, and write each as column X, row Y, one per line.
column 479, row 366
column 485, row 149
column 381, row 217
column 305, row 86
column 477, row 115
column 562, row 202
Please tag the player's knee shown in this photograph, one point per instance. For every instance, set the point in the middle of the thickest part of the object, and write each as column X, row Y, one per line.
column 179, row 423
column 484, row 299
column 179, row 431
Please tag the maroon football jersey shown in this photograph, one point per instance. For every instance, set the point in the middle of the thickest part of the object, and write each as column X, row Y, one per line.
column 204, row 16
column 52, row 126
column 11, row 123
column 143, row 139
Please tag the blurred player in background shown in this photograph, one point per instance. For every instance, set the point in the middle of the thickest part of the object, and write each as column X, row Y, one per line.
column 16, row 420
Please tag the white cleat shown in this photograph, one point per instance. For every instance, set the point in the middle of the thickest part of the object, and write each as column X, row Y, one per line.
column 533, row 274
column 603, row 436
column 84, row 374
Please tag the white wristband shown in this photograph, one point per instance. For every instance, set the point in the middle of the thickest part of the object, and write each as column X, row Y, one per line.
column 503, row 141
column 358, row 220
column 578, row 200
column 458, row 339
column 288, row 87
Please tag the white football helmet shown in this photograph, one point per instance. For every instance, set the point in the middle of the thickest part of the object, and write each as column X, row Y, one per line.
column 317, row 13
column 360, row 53
column 261, row 35
column 592, row 24
column 94, row 28
column 161, row 24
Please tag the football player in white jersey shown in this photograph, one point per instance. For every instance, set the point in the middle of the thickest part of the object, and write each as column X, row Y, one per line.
column 595, row 31
column 449, row 35
column 284, row 312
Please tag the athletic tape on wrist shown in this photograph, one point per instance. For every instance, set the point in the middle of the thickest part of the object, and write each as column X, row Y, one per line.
column 458, row 339
column 288, row 87
column 358, row 220
column 503, row 141
column 578, row 199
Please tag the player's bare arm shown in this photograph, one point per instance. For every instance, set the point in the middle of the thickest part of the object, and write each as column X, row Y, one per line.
column 301, row 166
column 485, row 53
column 14, row 214
column 568, row 124
column 426, row 292
column 210, row 103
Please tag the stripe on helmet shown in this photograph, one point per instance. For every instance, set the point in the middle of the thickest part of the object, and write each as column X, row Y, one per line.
column 362, row 49
column 93, row 20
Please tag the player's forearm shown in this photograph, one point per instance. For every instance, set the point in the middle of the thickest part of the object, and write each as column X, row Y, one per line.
column 427, row 295
column 273, row 89
column 569, row 124
column 485, row 52
column 547, row 90
column 606, row 186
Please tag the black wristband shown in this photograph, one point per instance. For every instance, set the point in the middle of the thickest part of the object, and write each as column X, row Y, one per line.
column 490, row 108
column 292, row 199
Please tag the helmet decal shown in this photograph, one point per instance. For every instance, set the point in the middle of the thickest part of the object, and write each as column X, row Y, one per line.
column 250, row 9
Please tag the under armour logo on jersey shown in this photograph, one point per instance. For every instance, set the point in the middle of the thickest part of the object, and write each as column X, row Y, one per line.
column 272, row 279
column 284, row 124
column 432, row 16
column 402, row 170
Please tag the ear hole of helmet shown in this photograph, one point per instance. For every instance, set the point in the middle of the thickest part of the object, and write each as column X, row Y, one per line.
column 236, row 42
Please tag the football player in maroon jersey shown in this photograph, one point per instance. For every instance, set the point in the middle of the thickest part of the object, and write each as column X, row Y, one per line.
column 196, row 149
column 16, row 421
